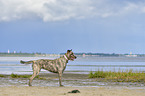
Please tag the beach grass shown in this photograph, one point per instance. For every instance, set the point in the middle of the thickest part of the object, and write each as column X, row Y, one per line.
column 26, row 76
column 21, row 76
column 2, row 75
column 127, row 76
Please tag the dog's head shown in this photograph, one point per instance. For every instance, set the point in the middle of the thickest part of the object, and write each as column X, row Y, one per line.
column 70, row 55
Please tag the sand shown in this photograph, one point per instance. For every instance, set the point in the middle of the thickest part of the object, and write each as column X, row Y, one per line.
column 63, row 91
column 50, row 87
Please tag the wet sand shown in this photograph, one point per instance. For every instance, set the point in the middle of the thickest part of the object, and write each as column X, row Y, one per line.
column 48, row 86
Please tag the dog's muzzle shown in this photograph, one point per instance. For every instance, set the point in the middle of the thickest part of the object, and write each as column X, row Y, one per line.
column 73, row 57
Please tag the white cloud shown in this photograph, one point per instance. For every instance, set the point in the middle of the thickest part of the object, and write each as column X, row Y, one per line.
column 57, row 10
column 48, row 10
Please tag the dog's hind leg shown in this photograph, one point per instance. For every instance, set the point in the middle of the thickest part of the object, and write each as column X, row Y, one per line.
column 36, row 70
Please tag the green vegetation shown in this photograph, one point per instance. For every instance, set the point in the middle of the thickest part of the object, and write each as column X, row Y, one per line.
column 128, row 76
column 1, row 75
column 21, row 76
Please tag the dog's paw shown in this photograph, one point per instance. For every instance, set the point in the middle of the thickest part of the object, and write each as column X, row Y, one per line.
column 61, row 86
column 29, row 85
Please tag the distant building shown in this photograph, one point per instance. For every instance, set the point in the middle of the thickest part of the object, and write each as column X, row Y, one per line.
column 84, row 55
column 14, row 51
column 131, row 55
column 8, row 51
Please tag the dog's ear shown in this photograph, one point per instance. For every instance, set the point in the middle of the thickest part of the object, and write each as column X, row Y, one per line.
column 69, row 51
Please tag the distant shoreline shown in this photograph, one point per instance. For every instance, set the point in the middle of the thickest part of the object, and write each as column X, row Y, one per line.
column 27, row 55
column 77, row 54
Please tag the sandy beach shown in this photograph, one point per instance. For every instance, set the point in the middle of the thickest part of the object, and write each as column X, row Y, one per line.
column 49, row 86
column 63, row 91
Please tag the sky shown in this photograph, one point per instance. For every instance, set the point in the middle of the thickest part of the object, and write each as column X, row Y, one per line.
column 54, row 26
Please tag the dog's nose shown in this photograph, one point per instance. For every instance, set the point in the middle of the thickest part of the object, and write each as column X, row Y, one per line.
column 75, row 57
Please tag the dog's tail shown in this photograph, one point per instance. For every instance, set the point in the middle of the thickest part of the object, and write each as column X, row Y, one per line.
column 28, row 62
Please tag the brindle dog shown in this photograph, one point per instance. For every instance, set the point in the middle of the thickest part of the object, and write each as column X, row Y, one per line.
column 55, row 66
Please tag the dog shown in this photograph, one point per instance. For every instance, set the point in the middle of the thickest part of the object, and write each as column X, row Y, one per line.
column 56, row 66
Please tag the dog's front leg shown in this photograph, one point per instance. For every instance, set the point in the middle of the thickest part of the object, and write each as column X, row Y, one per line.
column 60, row 75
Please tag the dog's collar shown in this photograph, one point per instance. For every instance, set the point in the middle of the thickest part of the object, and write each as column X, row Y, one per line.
column 65, row 57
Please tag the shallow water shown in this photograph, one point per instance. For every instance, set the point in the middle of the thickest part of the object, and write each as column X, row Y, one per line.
column 84, row 65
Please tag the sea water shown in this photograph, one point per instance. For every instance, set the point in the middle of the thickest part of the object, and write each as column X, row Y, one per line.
column 83, row 65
